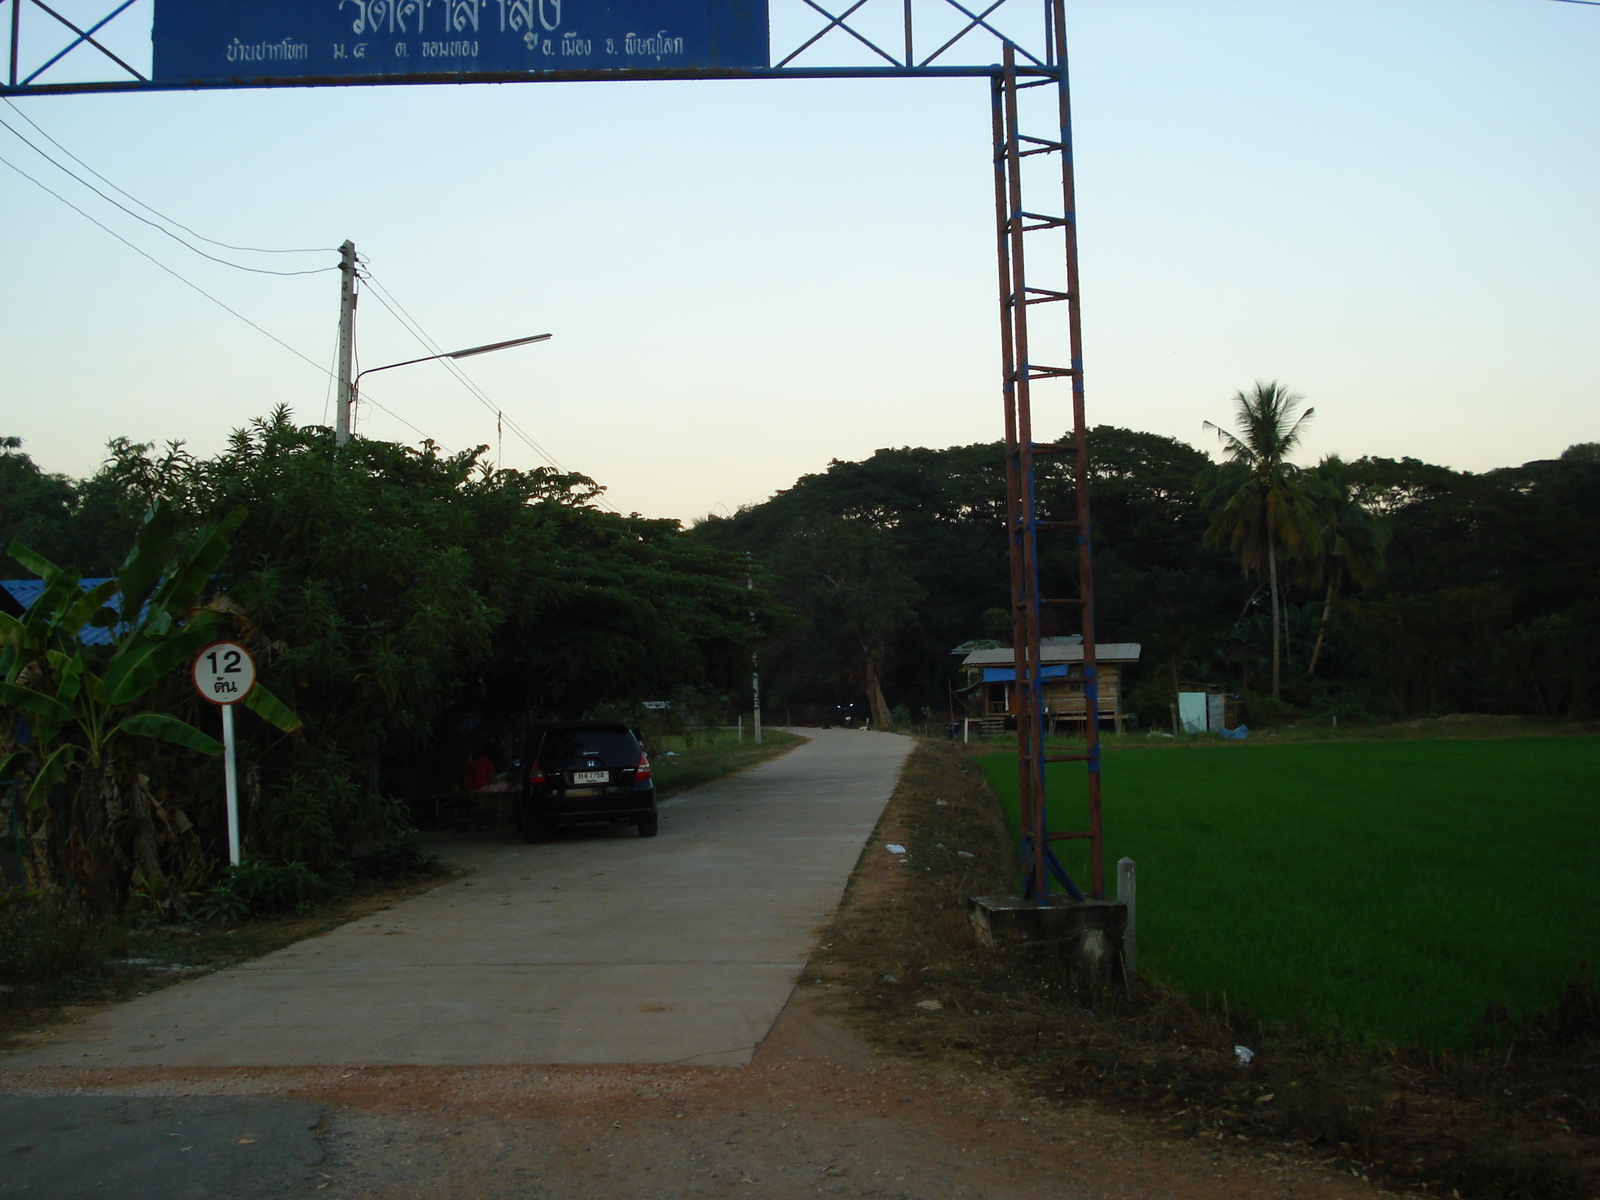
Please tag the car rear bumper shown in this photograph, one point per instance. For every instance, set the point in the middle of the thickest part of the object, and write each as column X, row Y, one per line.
column 597, row 804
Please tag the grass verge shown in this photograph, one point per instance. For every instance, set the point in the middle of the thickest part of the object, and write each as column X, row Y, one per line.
column 679, row 762
column 1519, row 1123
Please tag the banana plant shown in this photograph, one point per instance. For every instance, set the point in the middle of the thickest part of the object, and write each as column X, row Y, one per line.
column 88, row 708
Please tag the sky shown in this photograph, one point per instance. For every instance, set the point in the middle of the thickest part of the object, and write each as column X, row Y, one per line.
column 1393, row 206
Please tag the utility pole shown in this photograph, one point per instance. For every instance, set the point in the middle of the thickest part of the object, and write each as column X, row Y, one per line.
column 755, row 664
column 347, row 336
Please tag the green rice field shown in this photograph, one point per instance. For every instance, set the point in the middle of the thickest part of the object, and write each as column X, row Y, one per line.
column 1390, row 890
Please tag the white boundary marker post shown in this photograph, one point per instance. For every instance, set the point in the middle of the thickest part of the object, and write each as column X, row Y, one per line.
column 1127, row 892
column 224, row 674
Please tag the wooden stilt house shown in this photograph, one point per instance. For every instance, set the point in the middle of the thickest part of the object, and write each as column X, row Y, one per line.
column 990, row 688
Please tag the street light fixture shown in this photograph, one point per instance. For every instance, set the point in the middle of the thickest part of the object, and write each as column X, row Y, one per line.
column 470, row 351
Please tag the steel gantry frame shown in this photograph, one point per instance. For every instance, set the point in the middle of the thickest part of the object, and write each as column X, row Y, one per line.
column 1021, row 70
column 1015, row 220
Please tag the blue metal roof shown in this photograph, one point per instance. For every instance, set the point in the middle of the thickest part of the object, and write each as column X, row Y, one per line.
column 1001, row 675
column 26, row 591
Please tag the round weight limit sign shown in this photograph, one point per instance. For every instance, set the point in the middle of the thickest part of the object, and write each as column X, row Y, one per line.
column 223, row 674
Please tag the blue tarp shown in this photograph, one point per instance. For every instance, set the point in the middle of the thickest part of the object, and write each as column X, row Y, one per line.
column 1006, row 675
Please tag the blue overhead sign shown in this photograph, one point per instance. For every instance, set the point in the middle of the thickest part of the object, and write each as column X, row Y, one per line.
column 239, row 41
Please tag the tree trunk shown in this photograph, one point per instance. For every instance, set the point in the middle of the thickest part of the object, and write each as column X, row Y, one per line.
column 1322, row 629
column 1277, row 629
column 875, row 700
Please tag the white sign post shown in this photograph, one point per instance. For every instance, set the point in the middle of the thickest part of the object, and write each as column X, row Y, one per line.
column 224, row 673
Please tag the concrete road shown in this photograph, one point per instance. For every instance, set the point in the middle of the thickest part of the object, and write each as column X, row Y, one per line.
column 601, row 947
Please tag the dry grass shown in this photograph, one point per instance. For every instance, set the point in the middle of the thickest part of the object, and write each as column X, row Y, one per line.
column 909, row 975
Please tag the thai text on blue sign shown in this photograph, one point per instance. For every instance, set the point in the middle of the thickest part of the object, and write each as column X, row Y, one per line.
column 223, row 41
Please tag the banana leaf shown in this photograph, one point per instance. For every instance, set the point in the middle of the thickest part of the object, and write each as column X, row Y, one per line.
column 69, row 669
column 35, row 703
column 34, row 561
column 141, row 661
column 272, row 710
column 169, row 729
column 79, row 614
column 52, row 773
column 152, row 549
column 183, row 584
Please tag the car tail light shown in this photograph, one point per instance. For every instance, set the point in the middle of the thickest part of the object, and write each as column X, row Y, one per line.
column 536, row 775
column 644, row 767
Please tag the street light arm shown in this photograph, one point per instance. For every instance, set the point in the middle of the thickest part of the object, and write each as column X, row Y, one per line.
column 467, row 353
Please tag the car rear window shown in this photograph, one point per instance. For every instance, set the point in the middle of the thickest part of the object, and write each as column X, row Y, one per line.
column 615, row 748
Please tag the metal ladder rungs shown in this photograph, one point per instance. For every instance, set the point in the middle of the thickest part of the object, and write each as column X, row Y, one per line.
column 1070, row 837
column 1045, row 146
column 1021, row 604
column 1055, row 448
column 1055, row 525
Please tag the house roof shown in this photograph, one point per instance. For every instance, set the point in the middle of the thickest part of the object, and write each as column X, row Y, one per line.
column 1058, row 652
column 26, row 591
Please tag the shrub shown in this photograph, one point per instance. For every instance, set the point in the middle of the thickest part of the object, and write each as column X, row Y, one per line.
column 320, row 813
column 390, row 859
column 260, row 888
column 42, row 941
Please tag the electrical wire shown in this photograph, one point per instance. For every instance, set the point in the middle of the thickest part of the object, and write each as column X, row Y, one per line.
column 158, row 228
column 397, row 310
column 144, row 254
column 196, row 287
column 169, row 220
column 411, row 325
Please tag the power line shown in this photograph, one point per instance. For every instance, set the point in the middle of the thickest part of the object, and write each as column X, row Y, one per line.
column 213, row 241
column 158, row 228
column 196, row 287
column 144, row 254
column 412, row 326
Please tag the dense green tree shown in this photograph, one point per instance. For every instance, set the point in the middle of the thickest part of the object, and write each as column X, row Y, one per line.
column 850, row 579
column 945, row 510
column 399, row 596
column 1351, row 540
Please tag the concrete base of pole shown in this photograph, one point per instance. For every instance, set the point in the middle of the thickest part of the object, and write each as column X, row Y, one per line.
column 1086, row 934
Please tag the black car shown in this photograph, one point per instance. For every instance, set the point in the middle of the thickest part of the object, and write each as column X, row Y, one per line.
column 582, row 772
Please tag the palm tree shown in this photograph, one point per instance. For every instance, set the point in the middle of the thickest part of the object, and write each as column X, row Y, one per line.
column 1261, row 510
column 1352, row 538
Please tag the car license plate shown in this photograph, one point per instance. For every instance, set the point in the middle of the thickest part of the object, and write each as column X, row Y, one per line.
column 591, row 776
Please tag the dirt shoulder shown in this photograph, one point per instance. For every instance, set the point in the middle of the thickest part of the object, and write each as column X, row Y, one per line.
column 816, row 1113
column 1521, row 1119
